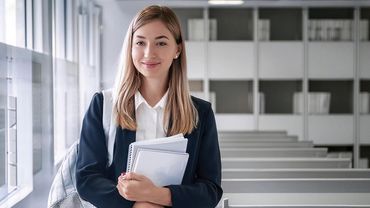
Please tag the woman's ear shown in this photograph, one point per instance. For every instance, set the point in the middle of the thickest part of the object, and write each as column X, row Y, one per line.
column 177, row 55
column 179, row 48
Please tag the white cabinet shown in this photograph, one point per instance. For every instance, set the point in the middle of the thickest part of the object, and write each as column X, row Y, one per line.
column 281, row 60
column 234, row 122
column 331, row 129
column 196, row 61
column 365, row 60
column 277, row 60
column 364, row 129
column 330, row 60
column 293, row 124
column 231, row 60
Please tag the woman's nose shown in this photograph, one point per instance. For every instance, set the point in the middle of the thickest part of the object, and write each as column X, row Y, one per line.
column 149, row 51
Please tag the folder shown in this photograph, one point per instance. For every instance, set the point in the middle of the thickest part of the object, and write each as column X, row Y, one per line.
column 161, row 167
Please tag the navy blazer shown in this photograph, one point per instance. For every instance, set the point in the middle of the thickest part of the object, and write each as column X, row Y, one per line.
column 96, row 183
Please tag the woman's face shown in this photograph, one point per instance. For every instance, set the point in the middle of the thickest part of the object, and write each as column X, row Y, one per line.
column 153, row 50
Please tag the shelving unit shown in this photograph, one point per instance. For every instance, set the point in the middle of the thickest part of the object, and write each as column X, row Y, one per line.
column 331, row 67
column 233, row 24
column 285, row 24
column 331, row 24
column 185, row 14
column 278, row 78
column 265, row 49
column 364, row 111
column 279, row 95
column 240, row 101
column 341, row 94
column 365, row 15
column 364, row 66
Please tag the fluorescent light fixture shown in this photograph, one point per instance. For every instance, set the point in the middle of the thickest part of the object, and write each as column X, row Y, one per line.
column 225, row 2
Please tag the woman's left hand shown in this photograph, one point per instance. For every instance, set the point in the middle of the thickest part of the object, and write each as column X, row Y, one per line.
column 135, row 187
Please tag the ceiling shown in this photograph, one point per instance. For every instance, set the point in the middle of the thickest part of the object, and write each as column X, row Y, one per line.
column 252, row 3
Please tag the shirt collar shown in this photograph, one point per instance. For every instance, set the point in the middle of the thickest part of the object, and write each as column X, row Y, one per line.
column 139, row 100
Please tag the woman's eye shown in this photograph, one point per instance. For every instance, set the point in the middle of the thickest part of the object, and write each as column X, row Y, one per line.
column 140, row 43
column 162, row 43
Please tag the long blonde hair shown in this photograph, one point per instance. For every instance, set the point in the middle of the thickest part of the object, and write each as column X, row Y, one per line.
column 180, row 115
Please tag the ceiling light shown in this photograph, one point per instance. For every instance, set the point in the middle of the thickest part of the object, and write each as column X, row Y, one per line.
column 225, row 2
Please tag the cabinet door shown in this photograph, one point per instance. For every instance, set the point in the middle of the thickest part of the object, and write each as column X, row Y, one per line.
column 231, row 60
column 331, row 130
column 365, row 60
column 281, row 60
column 195, row 52
column 293, row 124
column 330, row 60
column 234, row 122
column 364, row 129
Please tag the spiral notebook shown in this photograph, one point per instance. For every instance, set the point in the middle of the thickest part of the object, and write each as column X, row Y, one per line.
column 176, row 143
column 161, row 167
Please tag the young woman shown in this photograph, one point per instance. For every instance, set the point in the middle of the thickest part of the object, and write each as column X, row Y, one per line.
column 151, row 100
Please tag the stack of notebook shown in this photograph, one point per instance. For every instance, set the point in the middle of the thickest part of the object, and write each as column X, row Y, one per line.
column 162, row 160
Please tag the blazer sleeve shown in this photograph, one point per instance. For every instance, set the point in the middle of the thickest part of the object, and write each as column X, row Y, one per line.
column 206, row 191
column 93, row 185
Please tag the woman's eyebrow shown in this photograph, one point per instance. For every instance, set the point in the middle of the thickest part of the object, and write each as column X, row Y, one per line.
column 162, row 36
column 159, row 37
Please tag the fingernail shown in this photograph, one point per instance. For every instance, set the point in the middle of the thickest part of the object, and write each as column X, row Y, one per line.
column 123, row 173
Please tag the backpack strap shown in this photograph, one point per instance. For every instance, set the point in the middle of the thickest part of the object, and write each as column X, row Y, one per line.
column 109, row 123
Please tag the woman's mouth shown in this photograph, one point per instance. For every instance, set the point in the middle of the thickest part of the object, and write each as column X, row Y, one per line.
column 150, row 64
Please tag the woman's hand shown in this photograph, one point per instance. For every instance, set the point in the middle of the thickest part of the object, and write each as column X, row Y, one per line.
column 146, row 205
column 135, row 187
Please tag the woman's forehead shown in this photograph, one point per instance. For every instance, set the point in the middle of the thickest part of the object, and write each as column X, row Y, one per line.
column 153, row 29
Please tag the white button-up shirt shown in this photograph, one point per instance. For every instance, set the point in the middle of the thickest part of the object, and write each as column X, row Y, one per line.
column 149, row 119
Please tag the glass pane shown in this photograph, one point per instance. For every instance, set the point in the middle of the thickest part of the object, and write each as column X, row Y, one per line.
column 59, row 29
column 14, row 20
column 66, row 122
column 38, row 37
column 2, row 21
column 3, row 150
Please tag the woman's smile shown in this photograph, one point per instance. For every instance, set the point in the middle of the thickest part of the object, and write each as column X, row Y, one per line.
column 150, row 64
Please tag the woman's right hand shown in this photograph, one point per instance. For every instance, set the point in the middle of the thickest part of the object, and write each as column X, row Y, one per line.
column 146, row 205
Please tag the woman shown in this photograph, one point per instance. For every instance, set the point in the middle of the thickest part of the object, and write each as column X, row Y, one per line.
column 151, row 100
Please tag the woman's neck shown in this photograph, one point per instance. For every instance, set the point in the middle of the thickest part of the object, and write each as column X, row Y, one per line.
column 153, row 91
